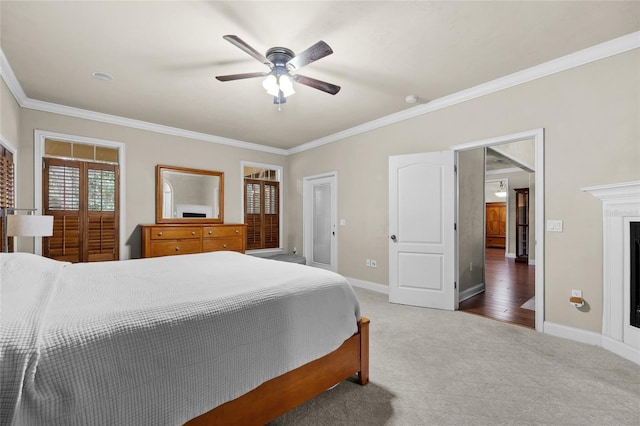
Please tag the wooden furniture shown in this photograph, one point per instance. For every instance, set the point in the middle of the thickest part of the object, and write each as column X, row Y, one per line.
column 496, row 224
column 283, row 393
column 522, row 225
column 173, row 239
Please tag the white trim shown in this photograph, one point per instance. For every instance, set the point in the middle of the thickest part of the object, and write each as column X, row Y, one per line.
column 617, row 193
column 368, row 285
column 619, row 348
column 567, row 62
column 572, row 60
column 280, row 171
column 620, row 206
column 538, row 136
column 592, row 338
column 144, row 125
column 39, row 137
column 504, row 171
column 11, row 80
column 572, row 333
column 470, row 292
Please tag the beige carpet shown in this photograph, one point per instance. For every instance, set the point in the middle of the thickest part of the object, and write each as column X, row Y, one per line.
column 431, row 367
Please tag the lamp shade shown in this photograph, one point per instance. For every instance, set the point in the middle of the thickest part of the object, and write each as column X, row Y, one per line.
column 29, row 226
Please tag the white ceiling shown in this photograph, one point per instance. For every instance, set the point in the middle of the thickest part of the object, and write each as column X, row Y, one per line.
column 164, row 56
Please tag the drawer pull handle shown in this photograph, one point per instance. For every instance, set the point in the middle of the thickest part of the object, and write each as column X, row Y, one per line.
column 237, row 231
column 224, row 246
column 193, row 232
column 210, row 232
column 160, row 234
column 177, row 248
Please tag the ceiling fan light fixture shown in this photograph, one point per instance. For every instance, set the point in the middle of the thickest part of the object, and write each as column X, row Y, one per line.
column 502, row 191
column 278, row 83
column 270, row 84
column 286, row 85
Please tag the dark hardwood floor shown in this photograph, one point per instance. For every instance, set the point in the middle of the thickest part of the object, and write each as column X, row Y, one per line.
column 508, row 285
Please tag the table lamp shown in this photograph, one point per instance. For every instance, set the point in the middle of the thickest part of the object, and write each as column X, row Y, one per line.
column 25, row 225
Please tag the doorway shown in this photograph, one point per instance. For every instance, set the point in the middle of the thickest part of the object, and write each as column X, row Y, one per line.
column 508, row 288
column 501, row 276
column 320, row 212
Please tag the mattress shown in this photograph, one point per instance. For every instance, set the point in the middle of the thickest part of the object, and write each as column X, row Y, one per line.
column 157, row 341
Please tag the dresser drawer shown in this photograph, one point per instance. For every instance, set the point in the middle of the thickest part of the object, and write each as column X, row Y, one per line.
column 168, row 248
column 223, row 231
column 174, row 233
column 215, row 244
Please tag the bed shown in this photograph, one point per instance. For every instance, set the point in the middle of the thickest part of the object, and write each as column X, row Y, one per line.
column 212, row 338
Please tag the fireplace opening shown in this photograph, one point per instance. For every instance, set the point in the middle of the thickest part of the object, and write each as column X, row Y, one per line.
column 635, row 274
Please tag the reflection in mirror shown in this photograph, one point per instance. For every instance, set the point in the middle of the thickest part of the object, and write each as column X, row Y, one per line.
column 188, row 195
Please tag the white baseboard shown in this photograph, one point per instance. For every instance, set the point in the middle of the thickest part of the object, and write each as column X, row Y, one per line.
column 510, row 255
column 572, row 333
column 591, row 338
column 619, row 348
column 368, row 285
column 470, row 292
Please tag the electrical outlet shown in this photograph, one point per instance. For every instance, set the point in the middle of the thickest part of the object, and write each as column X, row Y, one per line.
column 554, row 225
column 576, row 293
column 374, row 263
column 471, row 266
column 367, row 262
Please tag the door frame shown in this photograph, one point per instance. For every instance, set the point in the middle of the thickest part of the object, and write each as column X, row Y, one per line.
column 307, row 215
column 538, row 137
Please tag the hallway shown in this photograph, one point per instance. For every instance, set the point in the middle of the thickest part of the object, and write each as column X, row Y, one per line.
column 508, row 286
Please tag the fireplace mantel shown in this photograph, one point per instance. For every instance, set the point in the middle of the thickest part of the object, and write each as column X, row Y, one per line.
column 620, row 206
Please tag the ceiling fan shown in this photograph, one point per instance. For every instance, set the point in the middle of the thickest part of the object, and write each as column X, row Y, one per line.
column 279, row 81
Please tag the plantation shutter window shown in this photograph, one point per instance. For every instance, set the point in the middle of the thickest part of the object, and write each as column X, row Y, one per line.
column 7, row 191
column 262, row 213
column 82, row 197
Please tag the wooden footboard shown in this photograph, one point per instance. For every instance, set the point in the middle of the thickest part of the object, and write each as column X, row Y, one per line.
column 279, row 395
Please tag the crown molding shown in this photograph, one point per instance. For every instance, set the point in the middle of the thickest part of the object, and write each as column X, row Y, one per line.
column 145, row 125
column 576, row 59
column 10, row 79
column 573, row 60
column 25, row 102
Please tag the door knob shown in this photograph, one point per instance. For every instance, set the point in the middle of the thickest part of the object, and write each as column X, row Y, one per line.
column 393, row 238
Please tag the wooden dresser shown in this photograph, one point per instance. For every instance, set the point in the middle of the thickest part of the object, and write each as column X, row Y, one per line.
column 172, row 239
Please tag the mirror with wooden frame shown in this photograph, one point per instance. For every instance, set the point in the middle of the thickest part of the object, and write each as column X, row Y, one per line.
column 186, row 195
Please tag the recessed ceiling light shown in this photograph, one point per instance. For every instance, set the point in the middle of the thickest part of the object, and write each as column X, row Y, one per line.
column 101, row 76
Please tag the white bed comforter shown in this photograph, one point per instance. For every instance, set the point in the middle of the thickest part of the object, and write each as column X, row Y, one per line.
column 157, row 341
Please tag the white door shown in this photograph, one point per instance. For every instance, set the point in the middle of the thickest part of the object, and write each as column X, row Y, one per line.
column 421, row 230
column 320, row 213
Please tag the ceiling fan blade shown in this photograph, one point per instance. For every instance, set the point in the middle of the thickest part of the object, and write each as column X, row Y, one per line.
column 240, row 76
column 317, row 84
column 315, row 52
column 242, row 45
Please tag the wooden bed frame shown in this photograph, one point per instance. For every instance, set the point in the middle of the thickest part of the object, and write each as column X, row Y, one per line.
column 279, row 395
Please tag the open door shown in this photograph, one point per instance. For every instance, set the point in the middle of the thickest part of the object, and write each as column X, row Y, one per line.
column 421, row 230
